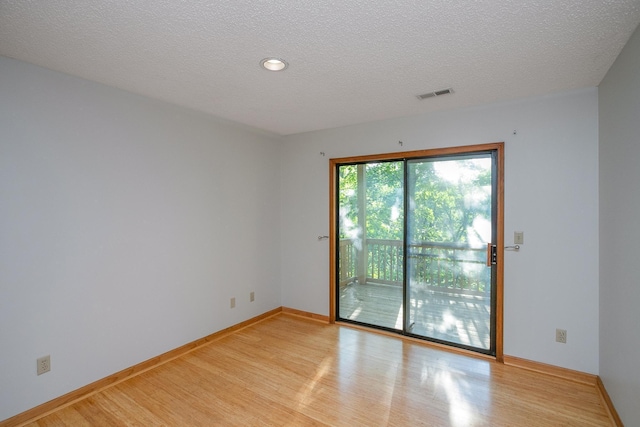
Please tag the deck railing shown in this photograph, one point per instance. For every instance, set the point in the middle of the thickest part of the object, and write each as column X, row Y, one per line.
column 438, row 266
column 347, row 258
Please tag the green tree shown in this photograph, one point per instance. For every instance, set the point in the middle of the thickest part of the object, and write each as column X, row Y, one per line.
column 443, row 209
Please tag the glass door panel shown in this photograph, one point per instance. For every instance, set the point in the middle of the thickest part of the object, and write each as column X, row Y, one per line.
column 370, row 247
column 449, row 224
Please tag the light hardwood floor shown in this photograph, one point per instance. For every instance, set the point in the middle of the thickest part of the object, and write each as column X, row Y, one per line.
column 290, row 371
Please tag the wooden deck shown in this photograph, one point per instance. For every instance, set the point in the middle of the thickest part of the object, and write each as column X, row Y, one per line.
column 453, row 317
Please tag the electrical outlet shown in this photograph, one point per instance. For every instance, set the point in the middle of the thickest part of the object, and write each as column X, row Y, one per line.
column 252, row 296
column 233, row 302
column 561, row 336
column 43, row 364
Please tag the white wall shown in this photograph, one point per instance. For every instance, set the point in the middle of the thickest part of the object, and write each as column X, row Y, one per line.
column 125, row 227
column 551, row 193
column 127, row 224
column 620, row 232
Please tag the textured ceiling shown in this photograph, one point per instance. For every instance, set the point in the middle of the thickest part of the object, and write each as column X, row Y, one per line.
column 351, row 61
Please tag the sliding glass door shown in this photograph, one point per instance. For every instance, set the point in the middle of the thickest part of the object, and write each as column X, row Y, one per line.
column 412, row 236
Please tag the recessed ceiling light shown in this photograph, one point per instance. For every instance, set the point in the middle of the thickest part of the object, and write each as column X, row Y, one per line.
column 274, row 64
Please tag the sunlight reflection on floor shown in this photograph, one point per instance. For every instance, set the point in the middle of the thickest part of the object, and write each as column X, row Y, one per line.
column 461, row 413
column 305, row 395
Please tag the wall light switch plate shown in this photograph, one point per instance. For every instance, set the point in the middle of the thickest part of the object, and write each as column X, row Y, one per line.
column 518, row 237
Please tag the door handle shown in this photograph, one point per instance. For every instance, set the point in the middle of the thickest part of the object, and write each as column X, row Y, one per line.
column 492, row 254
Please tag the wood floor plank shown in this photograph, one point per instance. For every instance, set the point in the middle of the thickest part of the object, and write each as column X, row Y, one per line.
column 289, row 371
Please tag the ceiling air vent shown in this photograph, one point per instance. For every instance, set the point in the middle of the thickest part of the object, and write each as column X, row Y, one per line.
column 435, row 93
